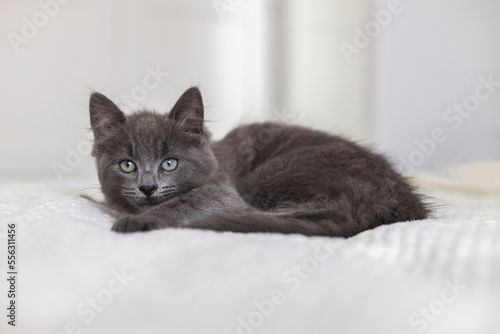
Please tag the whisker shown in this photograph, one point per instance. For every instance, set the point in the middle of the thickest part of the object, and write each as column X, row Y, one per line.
column 82, row 189
column 169, row 194
column 168, row 191
column 167, row 188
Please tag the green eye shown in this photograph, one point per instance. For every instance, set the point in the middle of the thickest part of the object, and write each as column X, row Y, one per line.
column 127, row 166
column 169, row 165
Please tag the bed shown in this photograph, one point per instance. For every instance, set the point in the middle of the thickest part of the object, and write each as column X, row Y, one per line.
column 73, row 275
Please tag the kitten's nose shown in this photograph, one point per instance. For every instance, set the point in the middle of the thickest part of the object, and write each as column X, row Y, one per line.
column 148, row 190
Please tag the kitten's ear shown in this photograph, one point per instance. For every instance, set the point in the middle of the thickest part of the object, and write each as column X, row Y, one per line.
column 104, row 114
column 188, row 111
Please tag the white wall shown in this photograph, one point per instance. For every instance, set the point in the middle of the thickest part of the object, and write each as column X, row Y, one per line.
column 328, row 92
column 266, row 59
column 108, row 46
column 260, row 60
column 426, row 61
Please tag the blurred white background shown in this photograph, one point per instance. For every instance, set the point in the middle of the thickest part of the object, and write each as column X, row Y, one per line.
column 253, row 60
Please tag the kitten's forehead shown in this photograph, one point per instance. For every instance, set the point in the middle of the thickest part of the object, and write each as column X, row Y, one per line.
column 146, row 121
column 149, row 134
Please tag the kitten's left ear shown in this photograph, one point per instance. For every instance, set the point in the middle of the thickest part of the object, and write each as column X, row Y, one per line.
column 188, row 111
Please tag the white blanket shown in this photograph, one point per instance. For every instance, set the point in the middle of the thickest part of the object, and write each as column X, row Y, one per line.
column 74, row 275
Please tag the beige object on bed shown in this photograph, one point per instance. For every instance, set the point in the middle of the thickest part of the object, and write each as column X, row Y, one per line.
column 481, row 178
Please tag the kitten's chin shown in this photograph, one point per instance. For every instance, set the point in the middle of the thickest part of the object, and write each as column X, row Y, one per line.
column 146, row 203
column 135, row 205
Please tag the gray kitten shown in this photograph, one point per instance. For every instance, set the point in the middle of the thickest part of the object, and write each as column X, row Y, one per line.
column 163, row 171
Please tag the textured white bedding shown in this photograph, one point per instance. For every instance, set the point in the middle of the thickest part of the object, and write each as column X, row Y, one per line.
column 441, row 275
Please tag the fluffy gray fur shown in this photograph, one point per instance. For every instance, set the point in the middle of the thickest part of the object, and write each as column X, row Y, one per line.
column 259, row 178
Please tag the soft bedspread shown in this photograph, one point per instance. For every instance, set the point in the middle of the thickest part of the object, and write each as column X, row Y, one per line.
column 74, row 275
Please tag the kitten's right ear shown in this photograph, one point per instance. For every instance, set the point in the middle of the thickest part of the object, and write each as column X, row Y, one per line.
column 104, row 114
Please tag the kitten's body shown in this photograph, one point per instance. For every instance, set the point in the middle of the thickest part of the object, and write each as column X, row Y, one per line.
column 259, row 178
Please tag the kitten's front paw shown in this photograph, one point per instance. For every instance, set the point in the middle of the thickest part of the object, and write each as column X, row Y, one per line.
column 136, row 224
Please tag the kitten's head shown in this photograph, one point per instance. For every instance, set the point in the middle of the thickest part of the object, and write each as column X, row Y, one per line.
column 148, row 158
